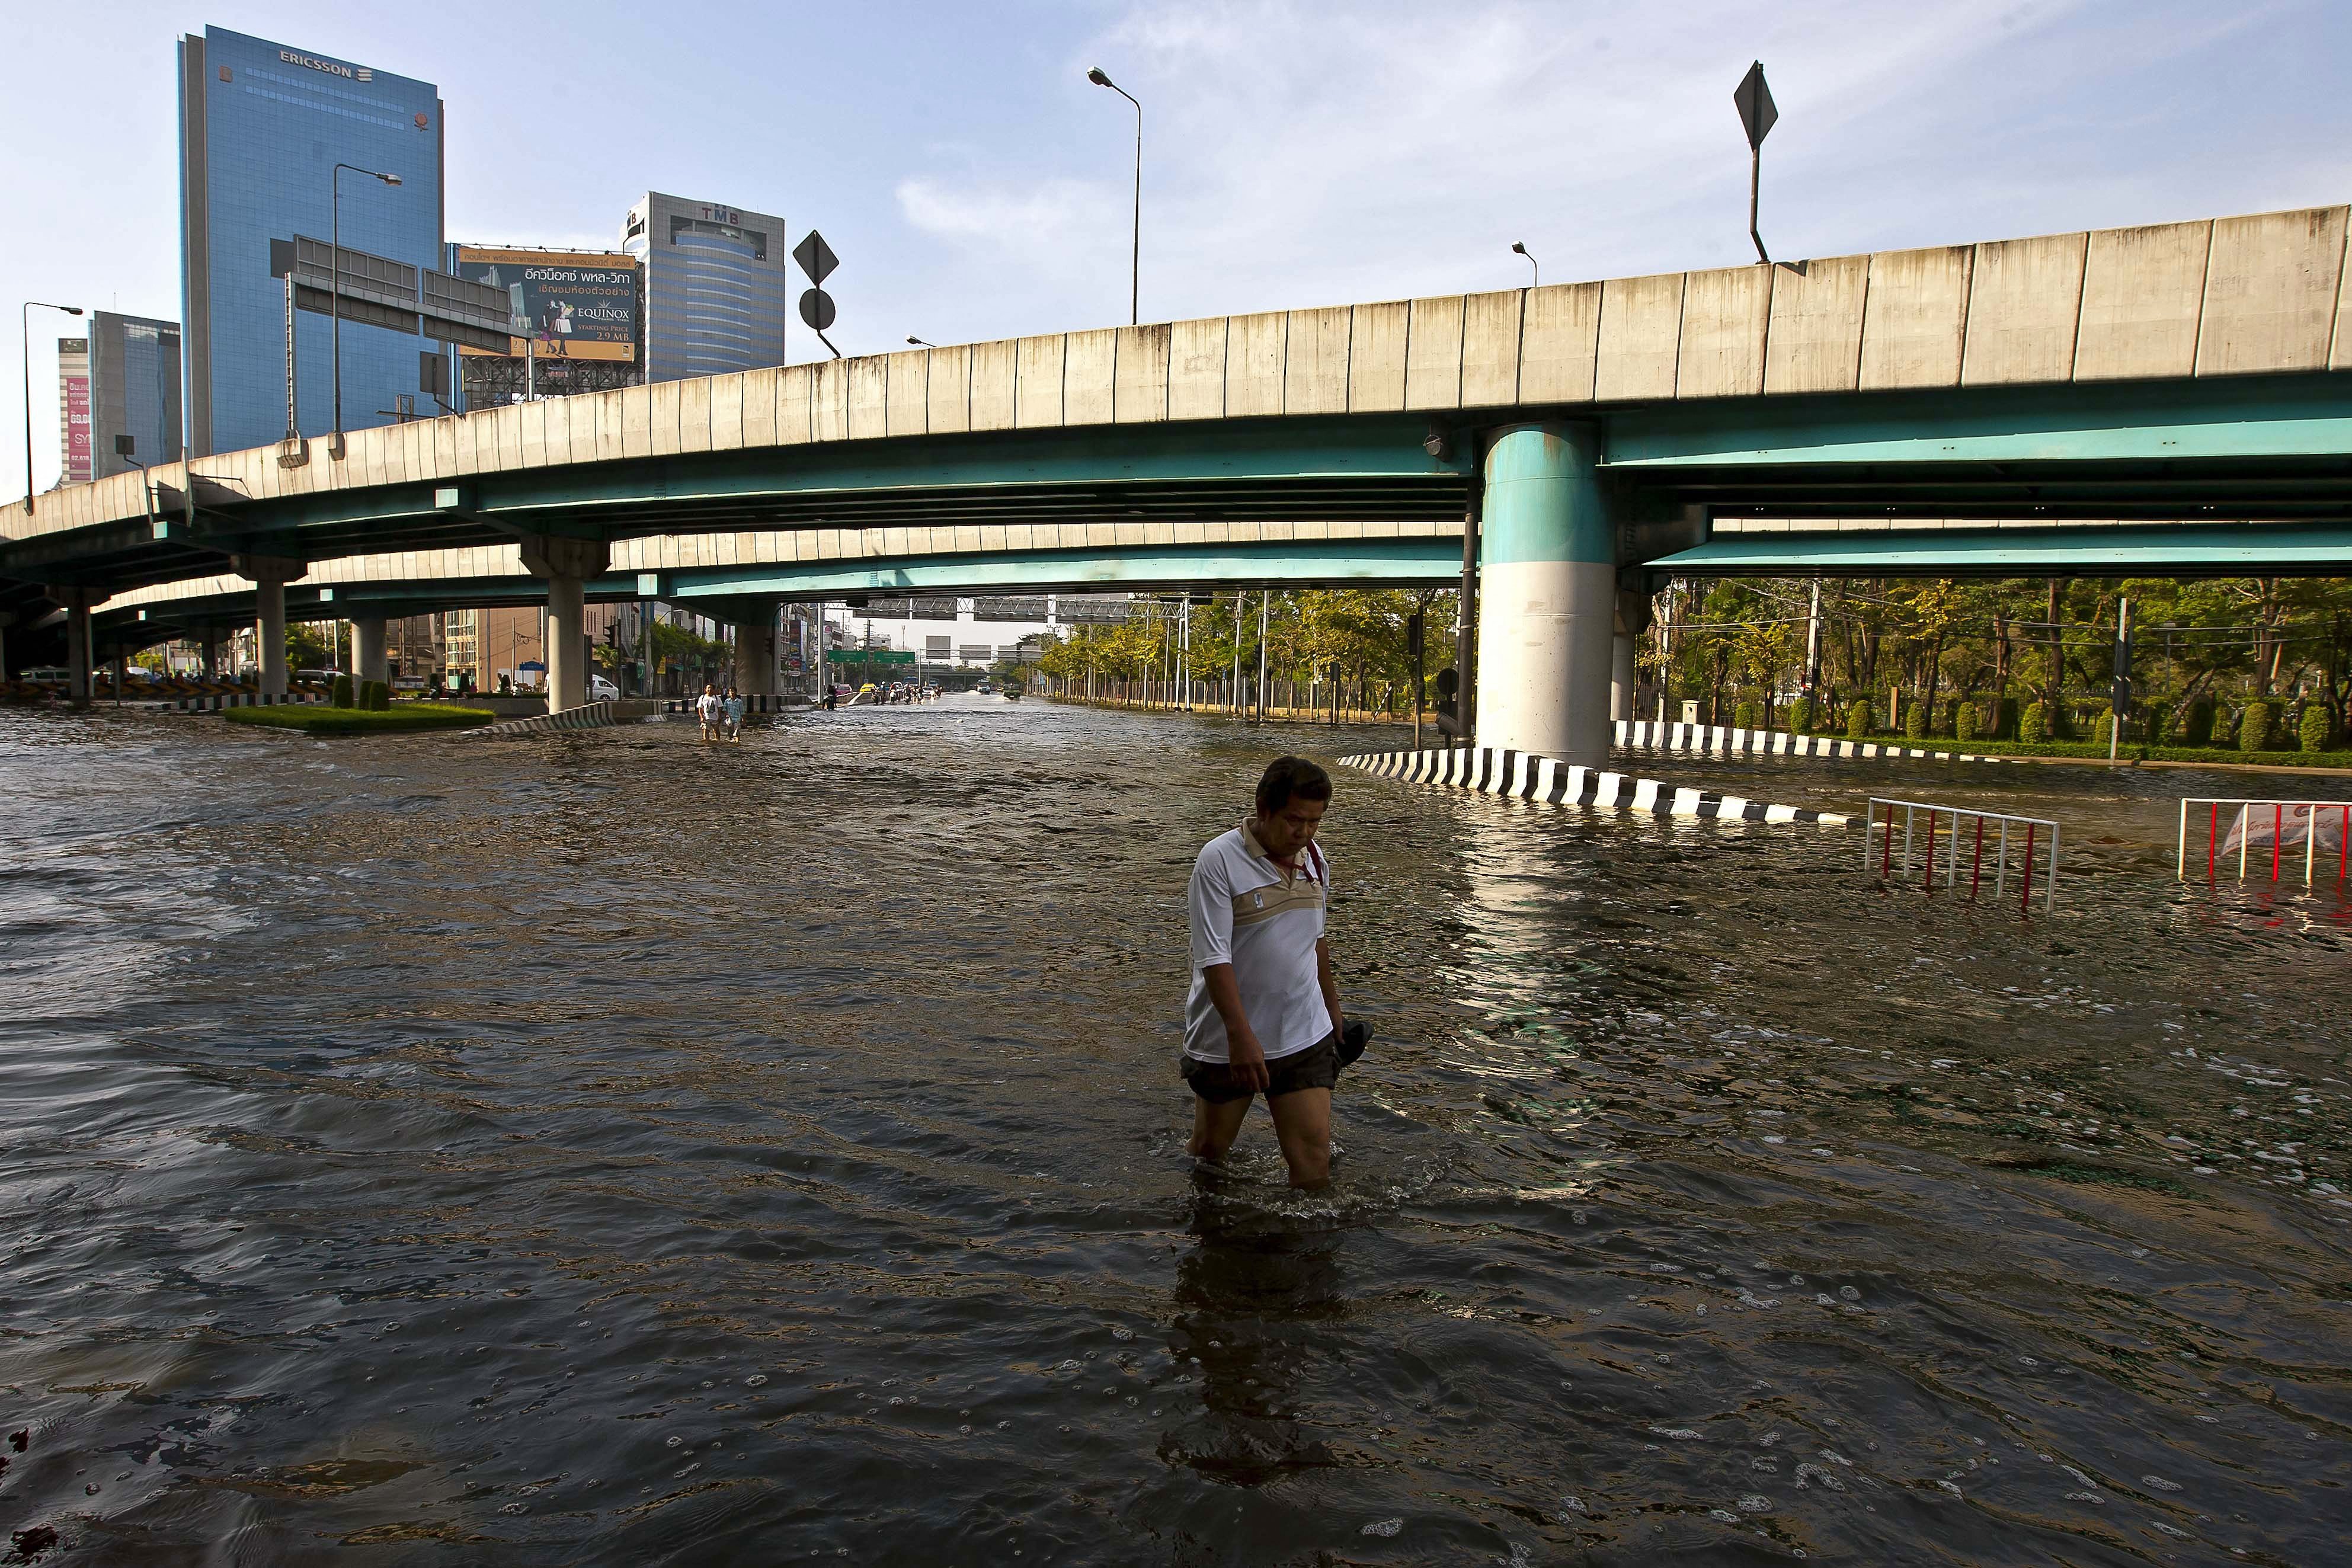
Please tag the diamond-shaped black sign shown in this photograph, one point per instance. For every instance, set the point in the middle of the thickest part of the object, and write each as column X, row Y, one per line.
column 1754, row 100
column 815, row 256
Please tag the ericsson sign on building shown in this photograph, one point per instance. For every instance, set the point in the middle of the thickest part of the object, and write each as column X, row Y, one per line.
column 566, row 304
column 333, row 68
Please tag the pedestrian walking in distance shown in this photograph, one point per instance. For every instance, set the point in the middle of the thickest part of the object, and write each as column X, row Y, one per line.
column 709, row 710
column 734, row 716
column 1262, row 1016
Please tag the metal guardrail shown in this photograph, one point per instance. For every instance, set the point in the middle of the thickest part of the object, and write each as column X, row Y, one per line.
column 2309, row 819
column 1883, row 833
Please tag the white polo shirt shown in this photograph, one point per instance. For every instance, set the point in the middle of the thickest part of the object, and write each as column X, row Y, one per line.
column 1247, row 911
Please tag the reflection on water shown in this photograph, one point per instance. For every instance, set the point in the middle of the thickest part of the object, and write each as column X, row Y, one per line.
column 608, row 1149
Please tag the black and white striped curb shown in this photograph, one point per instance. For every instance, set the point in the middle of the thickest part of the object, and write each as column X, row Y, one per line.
column 1722, row 738
column 1524, row 775
column 212, row 704
column 754, row 703
column 591, row 716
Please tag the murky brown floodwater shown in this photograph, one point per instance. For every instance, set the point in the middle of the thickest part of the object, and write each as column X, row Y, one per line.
column 607, row 1150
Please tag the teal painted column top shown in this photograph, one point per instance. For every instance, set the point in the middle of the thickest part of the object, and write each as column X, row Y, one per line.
column 1543, row 497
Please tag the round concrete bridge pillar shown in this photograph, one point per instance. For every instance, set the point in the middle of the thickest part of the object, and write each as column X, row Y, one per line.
column 565, row 565
column 372, row 662
column 271, row 575
column 754, row 621
column 1546, row 595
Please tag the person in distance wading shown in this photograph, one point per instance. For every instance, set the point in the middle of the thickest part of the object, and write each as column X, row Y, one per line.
column 1263, row 1015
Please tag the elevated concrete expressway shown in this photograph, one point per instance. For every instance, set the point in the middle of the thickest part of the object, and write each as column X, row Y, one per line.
column 718, row 572
column 2183, row 374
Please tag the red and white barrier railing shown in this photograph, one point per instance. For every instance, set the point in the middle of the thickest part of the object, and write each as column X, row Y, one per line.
column 2266, row 831
column 1960, row 835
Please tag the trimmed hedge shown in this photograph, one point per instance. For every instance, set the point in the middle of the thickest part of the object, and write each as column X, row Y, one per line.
column 1916, row 717
column 339, row 693
column 2254, row 727
column 2199, row 729
column 310, row 720
column 1747, row 715
column 2102, row 731
column 2312, row 733
column 2034, row 724
column 1965, row 724
column 1797, row 718
column 1861, row 719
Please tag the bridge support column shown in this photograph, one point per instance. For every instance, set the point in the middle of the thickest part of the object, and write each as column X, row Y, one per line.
column 78, row 651
column 565, row 565
column 754, row 621
column 368, row 657
column 210, row 641
column 270, row 574
column 1546, row 595
column 76, row 602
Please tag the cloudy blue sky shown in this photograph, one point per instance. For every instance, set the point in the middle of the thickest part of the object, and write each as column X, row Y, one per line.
column 975, row 184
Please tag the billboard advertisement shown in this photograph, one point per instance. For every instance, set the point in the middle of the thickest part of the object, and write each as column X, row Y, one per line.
column 567, row 304
column 73, row 383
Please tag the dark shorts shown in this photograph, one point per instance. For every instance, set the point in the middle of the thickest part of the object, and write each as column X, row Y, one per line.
column 1317, row 1067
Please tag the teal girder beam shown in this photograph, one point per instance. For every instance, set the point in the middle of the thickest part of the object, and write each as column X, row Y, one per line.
column 2183, row 550
column 2253, row 447
column 2236, row 420
column 1355, row 563
column 1349, row 562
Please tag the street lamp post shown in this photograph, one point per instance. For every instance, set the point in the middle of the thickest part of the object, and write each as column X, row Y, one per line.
column 1520, row 246
column 1135, row 284
column 921, row 342
column 25, row 332
column 335, row 280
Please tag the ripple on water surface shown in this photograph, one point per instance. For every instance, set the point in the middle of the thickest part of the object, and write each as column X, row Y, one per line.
column 609, row 1149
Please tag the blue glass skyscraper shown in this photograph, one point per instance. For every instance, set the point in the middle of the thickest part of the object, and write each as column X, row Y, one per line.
column 262, row 126
column 715, row 286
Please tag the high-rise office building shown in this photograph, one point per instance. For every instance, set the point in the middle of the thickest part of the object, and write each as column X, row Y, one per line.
column 262, row 127
column 73, row 410
column 134, row 391
column 715, row 283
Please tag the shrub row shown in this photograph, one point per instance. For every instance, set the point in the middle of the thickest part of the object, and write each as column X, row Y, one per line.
column 2037, row 724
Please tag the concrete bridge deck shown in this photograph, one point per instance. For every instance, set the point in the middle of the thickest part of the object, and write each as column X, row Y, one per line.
column 2181, row 373
column 1350, row 391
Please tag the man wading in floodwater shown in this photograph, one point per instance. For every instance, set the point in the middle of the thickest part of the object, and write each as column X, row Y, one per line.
column 1263, row 1012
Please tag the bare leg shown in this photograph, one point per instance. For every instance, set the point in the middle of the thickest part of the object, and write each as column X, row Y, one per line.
column 1302, row 1121
column 1214, row 1127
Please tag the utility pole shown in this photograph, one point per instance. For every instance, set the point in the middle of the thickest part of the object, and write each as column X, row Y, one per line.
column 2121, row 697
column 1265, row 608
column 1416, row 639
column 1813, row 648
column 1240, row 602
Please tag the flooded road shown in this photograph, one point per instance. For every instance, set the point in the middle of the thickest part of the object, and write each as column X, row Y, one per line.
column 607, row 1149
